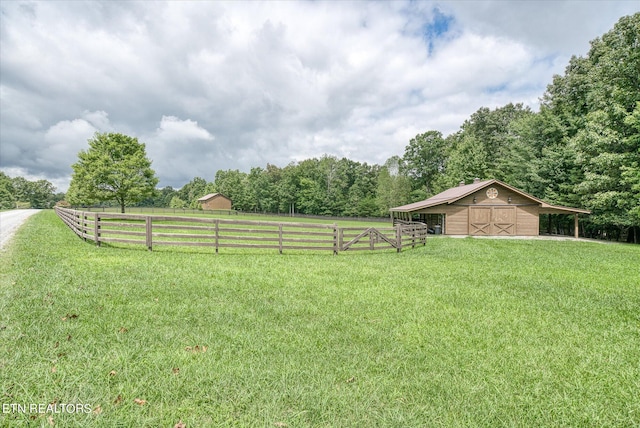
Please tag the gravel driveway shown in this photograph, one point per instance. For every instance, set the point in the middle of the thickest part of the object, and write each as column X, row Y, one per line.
column 10, row 221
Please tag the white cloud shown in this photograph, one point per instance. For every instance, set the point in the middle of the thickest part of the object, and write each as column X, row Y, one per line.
column 178, row 146
column 175, row 130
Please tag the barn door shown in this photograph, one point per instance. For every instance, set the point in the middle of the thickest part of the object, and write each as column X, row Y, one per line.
column 486, row 221
column 480, row 221
column 504, row 220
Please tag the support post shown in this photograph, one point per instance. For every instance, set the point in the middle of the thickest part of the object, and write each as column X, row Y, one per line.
column 149, row 232
column 413, row 236
column 81, row 224
column 217, row 230
column 399, row 237
column 96, row 228
column 575, row 222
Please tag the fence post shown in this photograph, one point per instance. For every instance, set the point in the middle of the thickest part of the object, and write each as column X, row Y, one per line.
column 96, row 228
column 217, row 234
column 82, row 225
column 280, row 238
column 149, row 232
column 398, row 237
column 335, row 239
column 413, row 236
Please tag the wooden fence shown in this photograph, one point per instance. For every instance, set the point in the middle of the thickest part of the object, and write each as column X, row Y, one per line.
column 220, row 233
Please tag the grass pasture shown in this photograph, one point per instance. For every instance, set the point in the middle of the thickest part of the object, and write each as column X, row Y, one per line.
column 461, row 332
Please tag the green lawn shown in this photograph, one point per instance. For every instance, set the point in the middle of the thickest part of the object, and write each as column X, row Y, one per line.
column 461, row 332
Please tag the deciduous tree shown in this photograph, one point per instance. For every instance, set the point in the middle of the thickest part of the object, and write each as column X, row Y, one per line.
column 114, row 168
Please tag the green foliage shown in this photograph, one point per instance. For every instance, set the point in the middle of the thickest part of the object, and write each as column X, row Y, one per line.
column 467, row 160
column 394, row 188
column 19, row 192
column 262, row 189
column 605, row 136
column 114, row 168
column 192, row 191
column 176, row 202
column 231, row 183
column 488, row 146
column 325, row 186
column 7, row 192
column 424, row 160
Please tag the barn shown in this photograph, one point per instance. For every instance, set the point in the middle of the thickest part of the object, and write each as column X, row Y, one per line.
column 215, row 201
column 484, row 208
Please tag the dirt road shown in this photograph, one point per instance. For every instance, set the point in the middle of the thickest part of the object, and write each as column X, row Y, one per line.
column 10, row 221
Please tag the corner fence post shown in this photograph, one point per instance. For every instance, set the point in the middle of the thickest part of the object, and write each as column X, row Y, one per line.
column 149, row 232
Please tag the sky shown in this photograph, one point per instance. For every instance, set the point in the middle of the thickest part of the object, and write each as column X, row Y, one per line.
column 210, row 85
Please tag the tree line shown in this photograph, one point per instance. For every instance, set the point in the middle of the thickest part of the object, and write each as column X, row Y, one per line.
column 18, row 192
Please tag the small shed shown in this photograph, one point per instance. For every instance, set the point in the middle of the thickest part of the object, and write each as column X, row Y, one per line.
column 215, row 201
column 484, row 208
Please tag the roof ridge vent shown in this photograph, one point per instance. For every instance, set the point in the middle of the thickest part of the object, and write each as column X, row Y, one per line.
column 476, row 180
column 461, row 183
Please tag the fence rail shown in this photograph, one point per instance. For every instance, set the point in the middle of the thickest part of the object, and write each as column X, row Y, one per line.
column 228, row 233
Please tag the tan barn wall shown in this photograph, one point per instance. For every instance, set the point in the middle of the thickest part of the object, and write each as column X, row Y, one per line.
column 457, row 214
column 456, row 220
column 217, row 203
column 528, row 220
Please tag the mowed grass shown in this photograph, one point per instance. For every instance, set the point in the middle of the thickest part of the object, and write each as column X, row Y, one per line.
column 461, row 332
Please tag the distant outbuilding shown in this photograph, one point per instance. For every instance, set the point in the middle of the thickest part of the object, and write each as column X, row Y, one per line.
column 215, row 201
column 483, row 208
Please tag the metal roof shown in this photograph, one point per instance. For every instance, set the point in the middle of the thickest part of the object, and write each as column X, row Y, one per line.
column 454, row 194
column 211, row 195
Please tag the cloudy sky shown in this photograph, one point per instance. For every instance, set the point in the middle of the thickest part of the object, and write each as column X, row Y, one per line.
column 211, row 85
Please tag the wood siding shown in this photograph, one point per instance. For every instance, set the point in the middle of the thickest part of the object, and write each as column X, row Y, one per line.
column 528, row 220
column 456, row 220
column 217, row 202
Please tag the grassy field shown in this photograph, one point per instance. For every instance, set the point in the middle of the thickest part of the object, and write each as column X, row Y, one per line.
column 461, row 332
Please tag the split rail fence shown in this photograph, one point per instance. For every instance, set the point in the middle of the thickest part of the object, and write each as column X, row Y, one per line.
column 227, row 233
